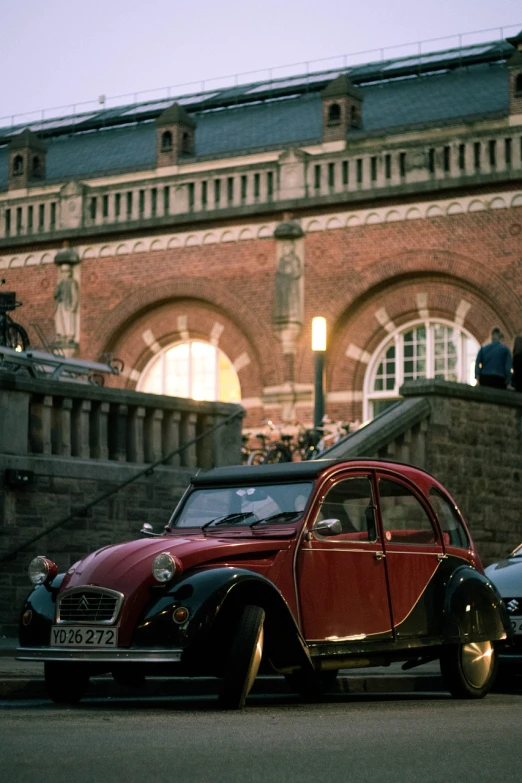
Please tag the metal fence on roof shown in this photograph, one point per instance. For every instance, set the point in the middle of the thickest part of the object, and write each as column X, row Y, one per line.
column 363, row 66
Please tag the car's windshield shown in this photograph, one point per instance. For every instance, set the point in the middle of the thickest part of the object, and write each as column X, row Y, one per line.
column 252, row 506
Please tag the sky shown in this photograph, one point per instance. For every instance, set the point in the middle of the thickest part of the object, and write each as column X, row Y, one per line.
column 60, row 53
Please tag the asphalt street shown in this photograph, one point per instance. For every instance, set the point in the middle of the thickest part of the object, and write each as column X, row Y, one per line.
column 411, row 738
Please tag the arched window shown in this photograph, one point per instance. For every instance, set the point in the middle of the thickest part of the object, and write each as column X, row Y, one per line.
column 334, row 114
column 18, row 165
column 518, row 85
column 423, row 349
column 193, row 369
column 354, row 117
column 37, row 166
column 166, row 141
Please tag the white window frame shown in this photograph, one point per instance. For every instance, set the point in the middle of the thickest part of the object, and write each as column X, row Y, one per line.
column 461, row 370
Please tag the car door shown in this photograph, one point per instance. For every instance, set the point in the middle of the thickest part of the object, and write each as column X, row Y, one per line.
column 413, row 553
column 341, row 579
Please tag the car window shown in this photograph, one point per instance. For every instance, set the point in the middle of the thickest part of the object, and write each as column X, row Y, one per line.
column 404, row 518
column 351, row 502
column 259, row 501
column 450, row 522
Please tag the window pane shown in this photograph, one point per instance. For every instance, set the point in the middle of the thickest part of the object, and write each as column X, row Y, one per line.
column 404, row 519
column 196, row 370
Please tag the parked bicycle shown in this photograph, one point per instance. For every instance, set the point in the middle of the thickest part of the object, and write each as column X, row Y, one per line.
column 271, row 449
column 12, row 335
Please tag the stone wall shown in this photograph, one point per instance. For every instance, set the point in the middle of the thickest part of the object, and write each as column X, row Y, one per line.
column 65, row 445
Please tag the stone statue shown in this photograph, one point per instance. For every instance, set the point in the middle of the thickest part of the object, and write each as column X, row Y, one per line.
column 288, row 300
column 66, row 315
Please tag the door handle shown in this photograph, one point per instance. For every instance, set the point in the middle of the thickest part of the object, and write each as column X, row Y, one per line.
column 379, row 555
column 440, row 556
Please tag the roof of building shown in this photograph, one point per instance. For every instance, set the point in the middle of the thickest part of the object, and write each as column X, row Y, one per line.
column 437, row 89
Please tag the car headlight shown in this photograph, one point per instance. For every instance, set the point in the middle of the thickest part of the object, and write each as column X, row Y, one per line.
column 42, row 570
column 165, row 566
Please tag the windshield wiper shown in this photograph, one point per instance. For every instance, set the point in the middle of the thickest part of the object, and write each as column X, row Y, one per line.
column 281, row 515
column 229, row 519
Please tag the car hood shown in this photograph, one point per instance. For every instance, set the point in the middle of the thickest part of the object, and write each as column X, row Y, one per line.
column 507, row 576
column 125, row 566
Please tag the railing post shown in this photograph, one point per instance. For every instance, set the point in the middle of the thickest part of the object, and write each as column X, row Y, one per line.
column 136, row 422
column 61, row 427
column 80, row 429
column 188, row 433
column 153, row 430
column 40, row 424
column 99, row 431
column 171, row 436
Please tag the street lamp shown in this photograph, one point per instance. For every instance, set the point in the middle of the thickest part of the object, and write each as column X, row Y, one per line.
column 319, row 349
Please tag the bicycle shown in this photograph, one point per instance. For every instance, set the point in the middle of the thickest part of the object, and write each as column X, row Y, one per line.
column 12, row 335
column 270, row 452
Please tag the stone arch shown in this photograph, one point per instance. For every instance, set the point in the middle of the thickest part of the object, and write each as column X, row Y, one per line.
column 357, row 332
column 497, row 203
column 477, row 205
column 218, row 298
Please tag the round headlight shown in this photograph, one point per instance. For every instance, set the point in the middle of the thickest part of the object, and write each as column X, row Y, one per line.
column 164, row 567
column 42, row 570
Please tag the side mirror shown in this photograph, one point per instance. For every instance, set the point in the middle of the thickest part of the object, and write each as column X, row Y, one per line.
column 148, row 530
column 327, row 527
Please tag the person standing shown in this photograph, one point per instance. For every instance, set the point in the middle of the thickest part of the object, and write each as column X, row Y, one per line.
column 493, row 363
column 516, row 380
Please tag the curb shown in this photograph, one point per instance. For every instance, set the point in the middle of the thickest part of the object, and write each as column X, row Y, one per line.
column 20, row 688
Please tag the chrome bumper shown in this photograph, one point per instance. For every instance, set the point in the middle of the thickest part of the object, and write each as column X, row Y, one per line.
column 117, row 655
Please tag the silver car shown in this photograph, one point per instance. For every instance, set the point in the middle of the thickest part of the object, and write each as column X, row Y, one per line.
column 506, row 575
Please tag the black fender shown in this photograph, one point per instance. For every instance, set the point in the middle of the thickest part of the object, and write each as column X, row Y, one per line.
column 473, row 609
column 41, row 602
column 215, row 599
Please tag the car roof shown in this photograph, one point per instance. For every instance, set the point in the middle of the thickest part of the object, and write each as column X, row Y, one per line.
column 290, row 471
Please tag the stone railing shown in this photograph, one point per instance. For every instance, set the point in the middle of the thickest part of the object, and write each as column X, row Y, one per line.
column 494, row 156
column 76, row 421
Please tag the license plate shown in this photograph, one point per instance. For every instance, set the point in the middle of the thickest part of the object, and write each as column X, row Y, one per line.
column 516, row 624
column 83, row 636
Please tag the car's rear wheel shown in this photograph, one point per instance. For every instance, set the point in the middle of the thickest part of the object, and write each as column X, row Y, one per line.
column 312, row 685
column 469, row 670
column 66, row 682
column 244, row 659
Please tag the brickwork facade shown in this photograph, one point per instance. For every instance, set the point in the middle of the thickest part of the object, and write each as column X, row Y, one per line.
column 402, row 221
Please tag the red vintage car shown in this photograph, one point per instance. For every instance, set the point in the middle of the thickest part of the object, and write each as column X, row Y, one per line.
column 302, row 568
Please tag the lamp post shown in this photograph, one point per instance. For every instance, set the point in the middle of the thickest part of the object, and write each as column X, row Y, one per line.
column 319, row 349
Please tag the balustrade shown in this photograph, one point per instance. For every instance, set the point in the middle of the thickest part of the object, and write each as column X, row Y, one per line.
column 325, row 176
column 79, row 422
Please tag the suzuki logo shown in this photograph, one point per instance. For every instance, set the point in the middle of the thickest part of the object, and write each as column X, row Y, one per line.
column 513, row 605
column 84, row 604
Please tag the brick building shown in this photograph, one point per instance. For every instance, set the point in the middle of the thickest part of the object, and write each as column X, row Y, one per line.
column 205, row 231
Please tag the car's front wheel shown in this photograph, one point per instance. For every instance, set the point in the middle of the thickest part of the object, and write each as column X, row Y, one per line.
column 66, row 682
column 244, row 658
column 469, row 670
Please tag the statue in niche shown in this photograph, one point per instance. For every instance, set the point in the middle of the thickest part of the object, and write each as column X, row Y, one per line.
column 288, row 299
column 66, row 315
